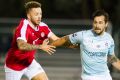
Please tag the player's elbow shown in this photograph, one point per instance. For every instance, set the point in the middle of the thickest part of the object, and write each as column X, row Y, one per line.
column 21, row 44
column 21, row 47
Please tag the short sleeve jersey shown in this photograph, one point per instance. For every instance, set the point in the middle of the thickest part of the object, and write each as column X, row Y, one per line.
column 94, row 51
column 17, row 59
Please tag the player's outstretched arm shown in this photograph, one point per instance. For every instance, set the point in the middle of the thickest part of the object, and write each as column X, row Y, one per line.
column 63, row 41
column 53, row 37
column 22, row 45
column 114, row 61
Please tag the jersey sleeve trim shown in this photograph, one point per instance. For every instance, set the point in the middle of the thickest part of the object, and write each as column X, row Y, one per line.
column 50, row 33
column 22, row 39
column 43, row 24
column 70, row 38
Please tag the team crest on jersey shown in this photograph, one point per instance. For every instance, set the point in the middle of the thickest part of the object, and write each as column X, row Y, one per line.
column 106, row 44
column 32, row 33
column 42, row 34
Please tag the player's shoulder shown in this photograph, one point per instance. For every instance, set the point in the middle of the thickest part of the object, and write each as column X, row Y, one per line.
column 88, row 31
column 85, row 31
column 42, row 24
column 108, row 36
column 22, row 24
column 24, row 21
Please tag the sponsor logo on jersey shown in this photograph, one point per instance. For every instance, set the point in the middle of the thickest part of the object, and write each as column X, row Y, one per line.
column 98, row 46
column 95, row 54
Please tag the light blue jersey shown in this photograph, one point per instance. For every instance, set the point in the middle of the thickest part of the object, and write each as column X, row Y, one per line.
column 94, row 51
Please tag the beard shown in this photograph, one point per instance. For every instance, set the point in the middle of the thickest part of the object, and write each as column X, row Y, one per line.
column 99, row 33
column 35, row 23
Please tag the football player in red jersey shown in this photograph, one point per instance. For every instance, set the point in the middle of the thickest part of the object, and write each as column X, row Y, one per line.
column 30, row 35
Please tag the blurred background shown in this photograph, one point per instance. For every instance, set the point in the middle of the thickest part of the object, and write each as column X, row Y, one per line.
column 63, row 17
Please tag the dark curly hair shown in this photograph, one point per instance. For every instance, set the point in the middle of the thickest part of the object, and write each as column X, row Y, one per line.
column 101, row 13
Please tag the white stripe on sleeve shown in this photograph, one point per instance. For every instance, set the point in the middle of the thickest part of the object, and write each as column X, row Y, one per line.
column 23, row 31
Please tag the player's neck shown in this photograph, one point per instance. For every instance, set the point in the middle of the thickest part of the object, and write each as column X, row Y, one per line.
column 32, row 25
column 99, row 34
column 102, row 33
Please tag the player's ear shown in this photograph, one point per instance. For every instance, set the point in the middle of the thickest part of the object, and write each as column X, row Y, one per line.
column 106, row 24
column 28, row 16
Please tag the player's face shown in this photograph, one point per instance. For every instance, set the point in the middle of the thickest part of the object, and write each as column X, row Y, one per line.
column 99, row 25
column 35, row 15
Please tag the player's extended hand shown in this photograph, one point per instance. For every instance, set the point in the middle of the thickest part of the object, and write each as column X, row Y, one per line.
column 47, row 48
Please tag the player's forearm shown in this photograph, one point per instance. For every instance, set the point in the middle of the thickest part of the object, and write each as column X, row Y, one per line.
column 63, row 41
column 29, row 47
column 114, row 61
column 59, row 42
column 26, row 46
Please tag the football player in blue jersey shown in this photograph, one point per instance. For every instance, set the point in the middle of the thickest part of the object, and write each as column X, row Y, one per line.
column 97, row 48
